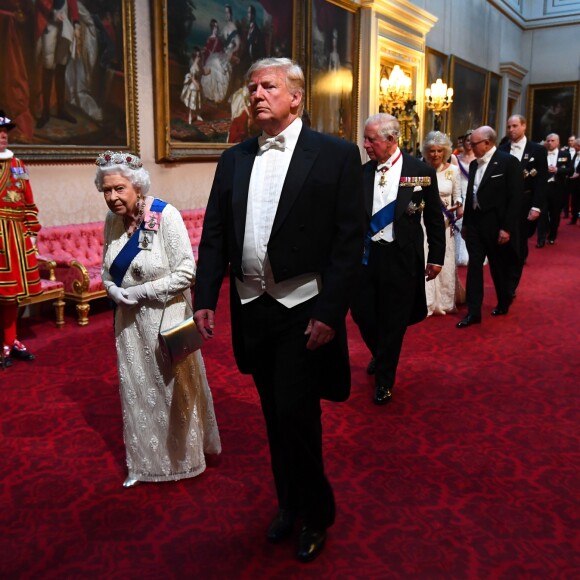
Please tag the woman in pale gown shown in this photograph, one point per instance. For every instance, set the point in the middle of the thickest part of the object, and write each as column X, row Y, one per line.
column 216, row 66
column 168, row 416
column 441, row 292
column 463, row 161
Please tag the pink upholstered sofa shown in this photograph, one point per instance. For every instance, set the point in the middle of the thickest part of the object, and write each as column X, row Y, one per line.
column 77, row 250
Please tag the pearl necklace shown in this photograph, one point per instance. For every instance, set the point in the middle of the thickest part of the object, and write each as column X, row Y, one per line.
column 137, row 223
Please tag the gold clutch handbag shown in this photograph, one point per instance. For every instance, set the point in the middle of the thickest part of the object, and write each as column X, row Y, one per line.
column 180, row 340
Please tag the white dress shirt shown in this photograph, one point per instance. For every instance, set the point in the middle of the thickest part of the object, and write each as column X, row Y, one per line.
column 553, row 160
column 266, row 182
column 517, row 148
column 482, row 164
column 385, row 194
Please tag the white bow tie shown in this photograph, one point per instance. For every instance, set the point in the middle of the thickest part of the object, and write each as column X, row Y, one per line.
column 516, row 146
column 278, row 142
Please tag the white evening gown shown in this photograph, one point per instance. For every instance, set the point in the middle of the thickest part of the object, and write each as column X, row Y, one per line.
column 168, row 415
column 441, row 291
column 461, row 255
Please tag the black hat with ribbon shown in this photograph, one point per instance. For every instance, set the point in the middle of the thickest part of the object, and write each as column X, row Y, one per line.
column 5, row 122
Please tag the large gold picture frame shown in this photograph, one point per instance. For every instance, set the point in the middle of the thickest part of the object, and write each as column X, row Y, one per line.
column 553, row 108
column 100, row 84
column 333, row 66
column 202, row 52
column 469, row 100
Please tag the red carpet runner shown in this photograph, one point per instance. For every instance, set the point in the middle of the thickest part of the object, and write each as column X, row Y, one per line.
column 471, row 472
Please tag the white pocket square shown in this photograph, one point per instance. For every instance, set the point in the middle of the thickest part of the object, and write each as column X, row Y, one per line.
column 498, row 175
column 417, row 188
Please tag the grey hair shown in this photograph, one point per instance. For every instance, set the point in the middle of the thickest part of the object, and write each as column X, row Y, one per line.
column 553, row 135
column 138, row 177
column 438, row 139
column 294, row 75
column 387, row 124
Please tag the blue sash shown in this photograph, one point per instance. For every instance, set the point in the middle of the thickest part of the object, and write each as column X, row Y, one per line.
column 124, row 258
column 379, row 220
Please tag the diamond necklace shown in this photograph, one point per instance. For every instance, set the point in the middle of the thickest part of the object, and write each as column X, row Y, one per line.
column 137, row 224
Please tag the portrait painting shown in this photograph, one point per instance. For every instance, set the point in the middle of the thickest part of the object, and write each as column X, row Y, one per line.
column 493, row 96
column 333, row 67
column 468, row 108
column 203, row 50
column 436, row 68
column 553, row 108
column 71, row 66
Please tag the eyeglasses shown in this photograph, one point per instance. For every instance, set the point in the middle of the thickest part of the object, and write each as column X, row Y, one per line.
column 474, row 143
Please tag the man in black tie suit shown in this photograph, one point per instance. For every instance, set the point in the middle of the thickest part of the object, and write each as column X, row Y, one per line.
column 285, row 214
column 559, row 169
column 490, row 222
column 574, row 185
column 534, row 165
column 398, row 189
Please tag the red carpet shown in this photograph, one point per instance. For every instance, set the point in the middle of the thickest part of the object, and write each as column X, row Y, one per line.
column 472, row 471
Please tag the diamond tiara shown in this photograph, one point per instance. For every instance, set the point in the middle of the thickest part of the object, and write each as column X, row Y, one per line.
column 109, row 158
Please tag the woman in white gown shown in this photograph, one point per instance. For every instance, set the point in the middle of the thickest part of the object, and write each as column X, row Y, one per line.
column 463, row 161
column 216, row 66
column 168, row 416
column 441, row 291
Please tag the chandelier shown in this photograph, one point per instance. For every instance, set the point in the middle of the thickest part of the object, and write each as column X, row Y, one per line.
column 395, row 91
column 439, row 97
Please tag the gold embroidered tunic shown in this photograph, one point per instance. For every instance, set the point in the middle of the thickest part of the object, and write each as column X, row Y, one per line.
column 19, row 275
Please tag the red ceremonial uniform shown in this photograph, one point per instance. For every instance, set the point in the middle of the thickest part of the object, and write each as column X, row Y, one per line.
column 19, row 275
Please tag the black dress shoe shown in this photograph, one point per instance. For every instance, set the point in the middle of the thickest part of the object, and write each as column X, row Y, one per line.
column 382, row 395
column 540, row 244
column 468, row 321
column 6, row 362
column 281, row 527
column 499, row 311
column 371, row 367
column 551, row 242
column 310, row 544
column 21, row 354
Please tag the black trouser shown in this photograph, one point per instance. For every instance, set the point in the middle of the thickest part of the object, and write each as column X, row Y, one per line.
column 383, row 305
column 574, row 185
column 549, row 220
column 481, row 241
column 527, row 229
column 283, row 374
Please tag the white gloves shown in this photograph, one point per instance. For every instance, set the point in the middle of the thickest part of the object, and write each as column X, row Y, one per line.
column 120, row 296
column 136, row 293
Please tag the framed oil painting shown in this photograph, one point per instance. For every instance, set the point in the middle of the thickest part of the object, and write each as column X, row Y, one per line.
column 553, row 108
column 203, row 50
column 72, row 90
column 469, row 86
column 333, row 69
column 436, row 67
column 493, row 97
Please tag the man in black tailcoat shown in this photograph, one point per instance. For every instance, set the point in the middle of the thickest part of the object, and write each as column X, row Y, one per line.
column 398, row 189
column 534, row 165
column 559, row 169
column 285, row 213
column 491, row 222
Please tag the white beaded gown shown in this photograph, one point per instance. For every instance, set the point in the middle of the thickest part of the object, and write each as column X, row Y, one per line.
column 461, row 255
column 169, row 421
column 441, row 291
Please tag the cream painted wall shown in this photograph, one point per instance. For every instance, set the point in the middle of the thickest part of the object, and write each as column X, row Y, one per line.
column 66, row 193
